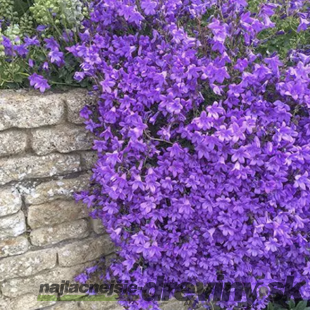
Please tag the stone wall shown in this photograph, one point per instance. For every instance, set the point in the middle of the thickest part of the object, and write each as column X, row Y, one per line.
column 45, row 236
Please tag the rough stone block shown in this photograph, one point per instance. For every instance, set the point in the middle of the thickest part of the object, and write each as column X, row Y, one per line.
column 10, row 201
column 17, row 169
column 13, row 246
column 27, row 264
column 55, row 212
column 76, row 100
column 52, row 235
column 5, row 304
column 30, row 109
column 88, row 160
column 62, row 138
column 84, row 251
column 97, row 226
column 30, row 302
column 31, row 285
column 108, row 305
column 12, row 225
column 58, row 189
column 173, row 304
column 62, row 305
column 12, row 142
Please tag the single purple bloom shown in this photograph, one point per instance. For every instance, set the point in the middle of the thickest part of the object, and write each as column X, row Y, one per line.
column 79, row 76
column 45, row 66
column 38, row 82
column 56, row 57
column 303, row 25
column 31, row 41
column 31, row 63
column 51, row 44
column 149, row 7
column 41, row 28
column 107, row 84
column 21, row 49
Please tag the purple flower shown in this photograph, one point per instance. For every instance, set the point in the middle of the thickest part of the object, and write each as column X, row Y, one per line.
column 149, row 7
column 174, row 106
column 303, row 25
column 56, row 57
column 82, row 278
column 21, row 49
column 51, row 44
column 79, row 76
column 45, row 66
column 302, row 181
column 31, row 63
column 31, row 41
column 41, row 28
column 38, row 82
column 107, row 84
column 307, row 269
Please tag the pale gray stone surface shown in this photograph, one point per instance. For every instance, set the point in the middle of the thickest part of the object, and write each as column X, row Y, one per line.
column 76, row 99
column 13, row 246
column 5, row 303
column 30, row 302
column 10, row 201
column 27, row 264
column 106, row 305
column 84, row 251
column 55, row 212
column 31, row 285
column 173, row 305
column 45, row 236
column 57, row 189
column 97, row 226
column 28, row 167
column 12, row 142
column 63, row 138
column 52, row 235
column 88, row 159
column 70, row 305
column 30, row 109
column 12, row 225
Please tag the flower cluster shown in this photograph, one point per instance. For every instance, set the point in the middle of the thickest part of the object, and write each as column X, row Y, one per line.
column 19, row 24
column 203, row 143
column 24, row 58
column 202, row 134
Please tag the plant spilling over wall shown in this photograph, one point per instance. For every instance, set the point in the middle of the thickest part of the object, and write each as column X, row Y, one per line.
column 203, row 130
column 25, row 29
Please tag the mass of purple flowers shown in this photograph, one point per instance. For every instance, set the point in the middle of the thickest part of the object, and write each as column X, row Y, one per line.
column 203, row 168
column 203, row 144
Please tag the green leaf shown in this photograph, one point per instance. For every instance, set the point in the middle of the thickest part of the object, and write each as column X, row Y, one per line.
column 301, row 305
column 291, row 304
column 20, row 7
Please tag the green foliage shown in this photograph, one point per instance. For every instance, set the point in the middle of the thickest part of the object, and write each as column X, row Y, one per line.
column 291, row 305
column 13, row 33
column 7, row 12
column 21, row 18
column 284, row 36
column 68, row 13
column 26, row 24
column 1, row 48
